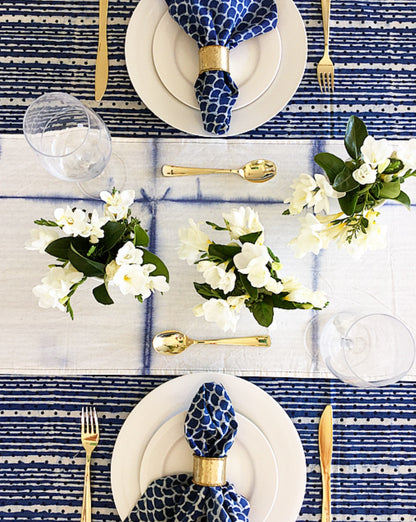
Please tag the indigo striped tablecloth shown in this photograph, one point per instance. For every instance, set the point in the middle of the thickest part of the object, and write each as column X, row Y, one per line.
column 42, row 461
column 51, row 44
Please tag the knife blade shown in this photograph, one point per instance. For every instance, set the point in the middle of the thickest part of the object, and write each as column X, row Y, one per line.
column 325, row 457
column 101, row 65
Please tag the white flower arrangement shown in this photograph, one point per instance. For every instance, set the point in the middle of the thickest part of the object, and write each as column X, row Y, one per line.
column 241, row 273
column 111, row 247
column 374, row 173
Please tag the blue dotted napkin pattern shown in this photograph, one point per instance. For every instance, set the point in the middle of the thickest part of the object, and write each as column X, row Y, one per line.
column 226, row 23
column 210, row 429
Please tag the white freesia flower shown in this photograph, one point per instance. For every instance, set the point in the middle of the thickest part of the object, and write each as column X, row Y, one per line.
column 274, row 286
column 311, row 237
column 40, row 238
column 96, row 223
column 117, row 204
column 217, row 276
column 373, row 239
column 252, row 261
column 218, row 311
column 320, row 200
column 300, row 294
column 376, row 152
column 111, row 269
column 243, row 221
column 304, row 187
column 158, row 283
column 237, row 302
column 128, row 254
column 132, row 279
column 56, row 285
column 193, row 242
column 407, row 153
column 73, row 222
column 365, row 174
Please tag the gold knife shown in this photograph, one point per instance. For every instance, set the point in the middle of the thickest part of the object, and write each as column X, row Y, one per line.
column 325, row 456
column 101, row 66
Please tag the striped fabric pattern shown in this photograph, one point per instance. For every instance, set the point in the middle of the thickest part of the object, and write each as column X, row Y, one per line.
column 41, row 472
column 51, row 45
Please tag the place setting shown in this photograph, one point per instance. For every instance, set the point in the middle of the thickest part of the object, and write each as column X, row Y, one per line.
column 259, row 65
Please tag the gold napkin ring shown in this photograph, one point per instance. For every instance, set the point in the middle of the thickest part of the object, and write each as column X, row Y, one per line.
column 214, row 58
column 209, row 471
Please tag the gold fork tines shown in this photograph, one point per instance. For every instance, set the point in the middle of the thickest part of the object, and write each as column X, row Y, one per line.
column 325, row 66
column 90, row 435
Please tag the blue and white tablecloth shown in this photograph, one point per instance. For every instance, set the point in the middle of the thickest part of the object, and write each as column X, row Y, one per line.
column 42, row 470
column 52, row 45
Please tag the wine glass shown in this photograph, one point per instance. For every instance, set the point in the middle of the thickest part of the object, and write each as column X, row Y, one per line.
column 72, row 142
column 367, row 349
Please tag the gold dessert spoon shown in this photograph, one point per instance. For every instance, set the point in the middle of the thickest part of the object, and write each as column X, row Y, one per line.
column 256, row 171
column 172, row 342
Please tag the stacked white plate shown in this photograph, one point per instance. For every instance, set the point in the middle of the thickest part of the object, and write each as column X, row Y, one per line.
column 266, row 463
column 162, row 61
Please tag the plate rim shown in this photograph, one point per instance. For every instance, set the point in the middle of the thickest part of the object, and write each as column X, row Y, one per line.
column 246, row 397
column 188, row 120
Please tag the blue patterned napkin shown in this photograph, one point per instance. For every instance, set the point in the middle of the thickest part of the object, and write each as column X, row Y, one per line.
column 226, row 23
column 210, row 429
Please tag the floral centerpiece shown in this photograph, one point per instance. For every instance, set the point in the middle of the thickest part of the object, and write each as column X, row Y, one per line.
column 375, row 172
column 111, row 247
column 241, row 273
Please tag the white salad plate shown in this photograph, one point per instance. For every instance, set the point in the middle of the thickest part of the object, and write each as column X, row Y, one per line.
column 151, row 90
column 253, row 63
column 251, row 464
column 175, row 396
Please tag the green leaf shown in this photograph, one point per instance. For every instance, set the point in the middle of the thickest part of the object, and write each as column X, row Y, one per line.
column 250, row 238
column 248, row 287
column 331, row 164
column 404, row 199
column 223, row 252
column 85, row 265
column 263, row 311
column 161, row 268
column 348, row 203
column 205, row 291
column 279, row 302
column 344, row 182
column 113, row 232
column 355, row 134
column 394, row 166
column 101, row 295
column 59, row 248
column 141, row 237
column 390, row 190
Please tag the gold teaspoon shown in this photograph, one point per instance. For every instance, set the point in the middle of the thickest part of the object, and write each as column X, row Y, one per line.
column 172, row 342
column 256, row 171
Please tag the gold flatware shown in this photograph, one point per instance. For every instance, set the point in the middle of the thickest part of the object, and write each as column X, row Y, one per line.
column 90, row 436
column 325, row 456
column 101, row 66
column 325, row 66
column 172, row 342
column 256, row 171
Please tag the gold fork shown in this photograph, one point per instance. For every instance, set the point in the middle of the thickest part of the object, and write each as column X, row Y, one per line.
column 325, row 66
column 90, row 436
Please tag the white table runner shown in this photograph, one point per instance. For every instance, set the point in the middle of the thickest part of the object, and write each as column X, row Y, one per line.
column 117, row 339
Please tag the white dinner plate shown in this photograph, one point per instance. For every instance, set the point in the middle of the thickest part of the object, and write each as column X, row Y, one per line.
column 175, row 396
column 145, row 80
column 251, row 464
column 253, row 63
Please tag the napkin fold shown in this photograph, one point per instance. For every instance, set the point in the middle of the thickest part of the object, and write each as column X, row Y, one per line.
column 226, row 23
column 210, row 429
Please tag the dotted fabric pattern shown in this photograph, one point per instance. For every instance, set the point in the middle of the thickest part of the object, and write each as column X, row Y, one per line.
column 52, row 45
column 226, row 23
column 42, row 461
column 210, row 429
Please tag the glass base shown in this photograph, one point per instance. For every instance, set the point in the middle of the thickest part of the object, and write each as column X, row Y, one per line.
column 113, row 176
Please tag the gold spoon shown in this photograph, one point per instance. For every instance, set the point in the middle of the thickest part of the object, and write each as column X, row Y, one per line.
column 256, row 171
column 172, row 342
